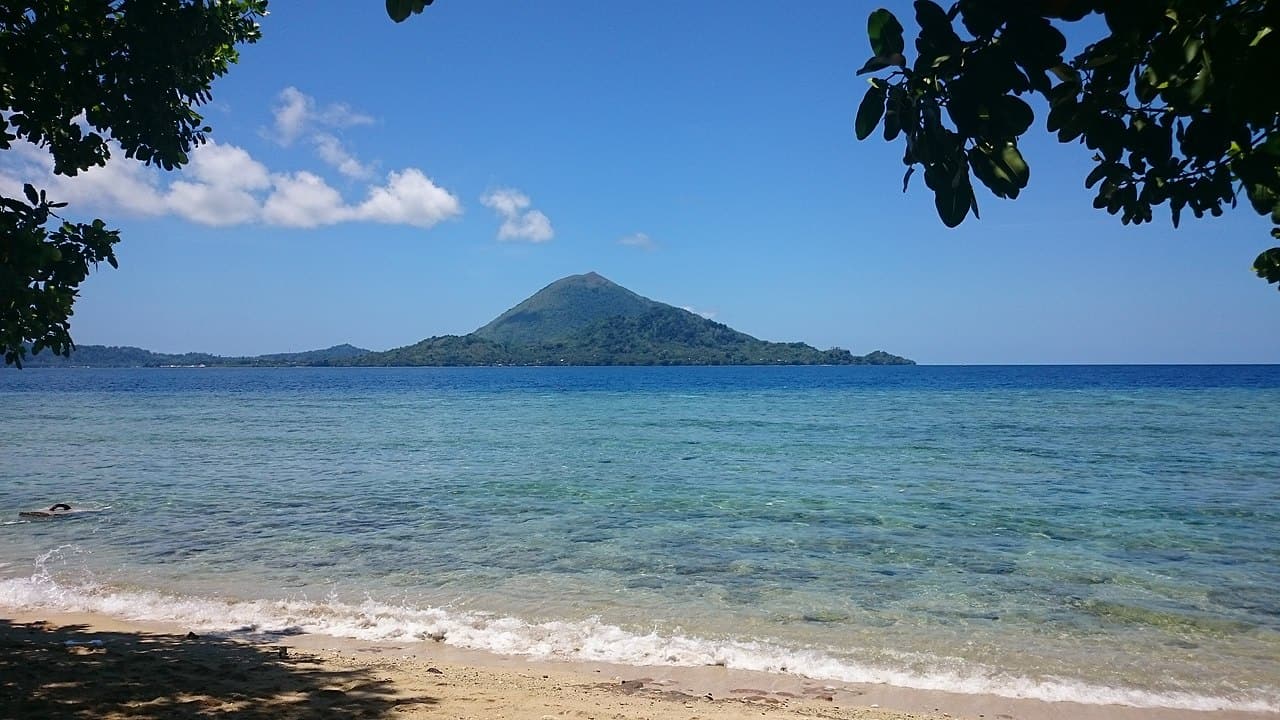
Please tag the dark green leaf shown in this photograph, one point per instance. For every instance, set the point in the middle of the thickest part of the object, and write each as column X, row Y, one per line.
column 987, row 172
column 1271, row 146
column 870, row 110
column 896, row 104
column 400, row 10
column 1010, row 160
column 1267, row 265
column 954, row 201
column 1097, row 174
column 1262, row 197
column 885, row 33
column 880, row 63
column 892, row 124
column 1013, row 114
column 1066, row 74
column 931, row 17
column 981, row 17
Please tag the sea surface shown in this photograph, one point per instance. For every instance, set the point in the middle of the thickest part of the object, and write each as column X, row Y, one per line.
column 1101, row 534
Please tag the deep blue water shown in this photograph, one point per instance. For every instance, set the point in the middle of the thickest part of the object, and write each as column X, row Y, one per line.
column 598, row 379
column 1107, row 533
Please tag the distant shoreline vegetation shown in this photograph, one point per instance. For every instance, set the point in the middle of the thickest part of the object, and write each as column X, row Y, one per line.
column 452, row 351
column 578, row 320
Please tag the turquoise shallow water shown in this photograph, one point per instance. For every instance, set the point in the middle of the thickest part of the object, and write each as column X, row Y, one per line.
column 1105, row 534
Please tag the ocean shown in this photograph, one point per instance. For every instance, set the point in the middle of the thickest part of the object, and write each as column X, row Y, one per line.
column 1092, row 533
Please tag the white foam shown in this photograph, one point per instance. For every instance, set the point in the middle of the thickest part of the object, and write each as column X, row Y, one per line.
column 587, row 640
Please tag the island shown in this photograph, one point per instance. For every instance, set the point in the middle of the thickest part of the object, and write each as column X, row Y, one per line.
column 577, row 320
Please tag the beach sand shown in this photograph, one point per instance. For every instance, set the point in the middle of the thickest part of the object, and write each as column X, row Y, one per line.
column 90, row 666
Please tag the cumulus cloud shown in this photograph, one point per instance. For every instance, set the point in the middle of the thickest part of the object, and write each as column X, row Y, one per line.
column 331, row 150
column 303, row 200
column 220, row 190
column 291, row 114
column 638, row 240
column 506, row 202
column 519, row 220
column 127, row 185
column 211, row 205
column 227, row 166
column 297, row 113
column 409, row 198
column 224, row 185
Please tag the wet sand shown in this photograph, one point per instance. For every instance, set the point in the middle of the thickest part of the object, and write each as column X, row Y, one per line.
column 56, row 665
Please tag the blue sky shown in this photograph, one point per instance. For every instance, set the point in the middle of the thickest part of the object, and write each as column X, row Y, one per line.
column 377, row 183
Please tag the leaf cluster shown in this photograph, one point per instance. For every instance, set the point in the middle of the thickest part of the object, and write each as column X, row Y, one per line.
column 73, row 75
column 1175, row 101
column 41, row 271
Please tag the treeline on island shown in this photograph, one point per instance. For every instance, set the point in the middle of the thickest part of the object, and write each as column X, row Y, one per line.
column 124, row 356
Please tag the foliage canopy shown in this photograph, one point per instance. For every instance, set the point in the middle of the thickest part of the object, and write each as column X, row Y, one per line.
column 1176, row 101
column 75, row 74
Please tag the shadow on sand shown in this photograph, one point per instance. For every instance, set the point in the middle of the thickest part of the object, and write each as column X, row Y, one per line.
column 137, row 675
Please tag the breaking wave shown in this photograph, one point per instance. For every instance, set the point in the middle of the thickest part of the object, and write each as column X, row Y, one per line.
column 585, row 640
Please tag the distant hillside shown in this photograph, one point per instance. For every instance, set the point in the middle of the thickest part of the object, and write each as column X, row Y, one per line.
column 564, row 307
column 112, row 356
column 589, row 320
column 344, row 351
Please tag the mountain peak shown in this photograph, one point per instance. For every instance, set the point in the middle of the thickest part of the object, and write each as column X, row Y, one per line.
column 588, row 319
column 588, row 278
column 563, row 308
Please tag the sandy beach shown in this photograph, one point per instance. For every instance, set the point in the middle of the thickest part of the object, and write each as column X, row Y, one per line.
column 89, row 666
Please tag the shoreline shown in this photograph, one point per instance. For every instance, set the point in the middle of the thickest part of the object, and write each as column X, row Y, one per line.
column 461, row 681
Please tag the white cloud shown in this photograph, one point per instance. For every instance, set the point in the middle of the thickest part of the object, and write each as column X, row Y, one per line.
column 224, row 185
column 220, row 195
column 297, row 113
column 519, row 221
column 638, row 240
column 507, row 201
column 341, row 115
column 708, row 314
column 331, row 150
column 291, row 114
column 210, row 204
column 304, row 200
column 125, row 184
column 227, row 166
column 409, row 198
column 533, row 226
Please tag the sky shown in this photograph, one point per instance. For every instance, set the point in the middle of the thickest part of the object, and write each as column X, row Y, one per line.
column 377, row 184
